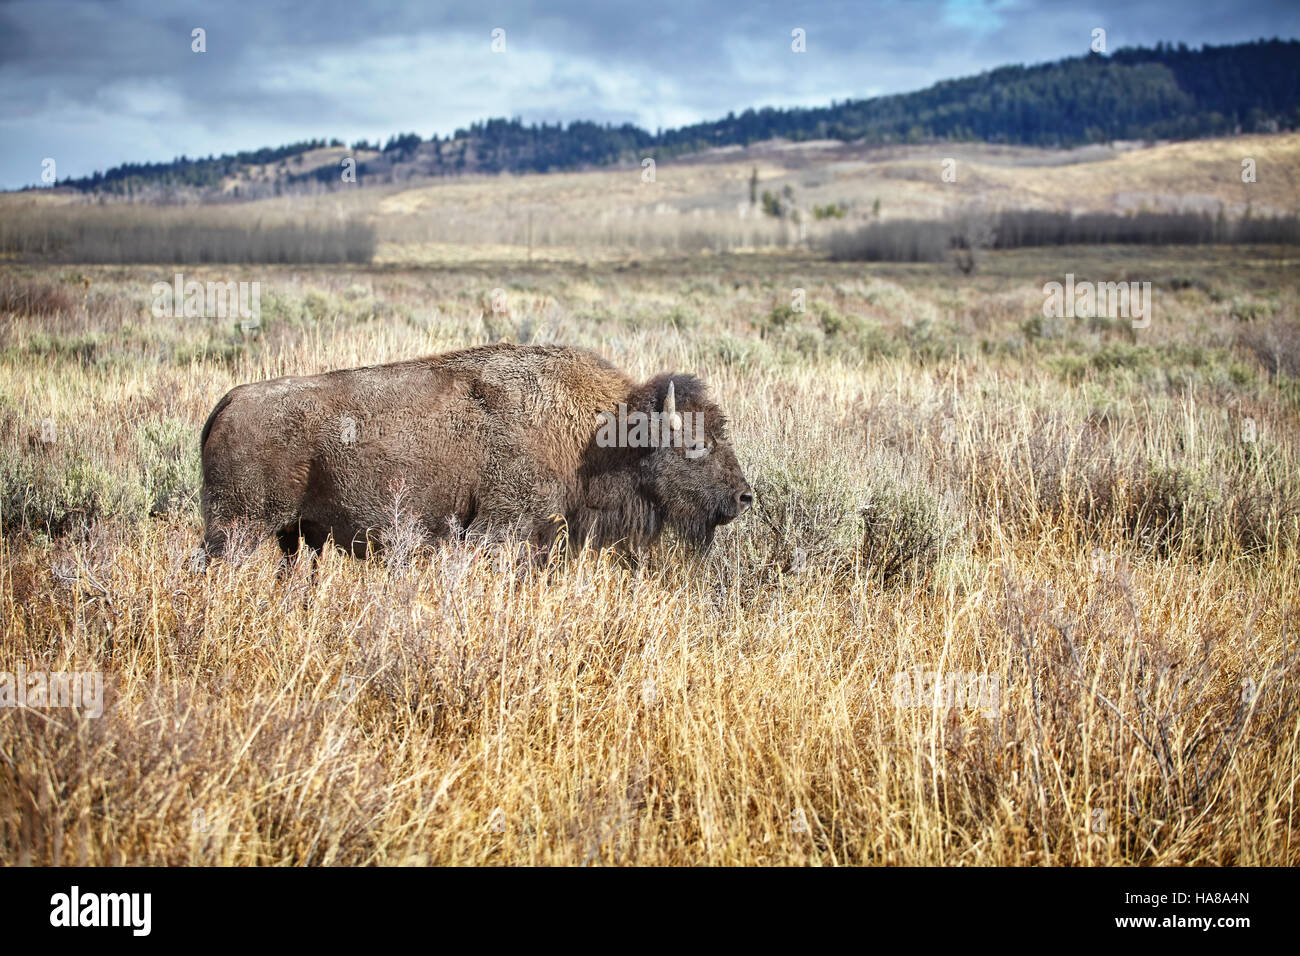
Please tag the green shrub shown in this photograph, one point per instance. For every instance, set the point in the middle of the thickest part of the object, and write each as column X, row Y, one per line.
column 171, row 469
column 57, row 489
column 904, row 530
column 839, row 515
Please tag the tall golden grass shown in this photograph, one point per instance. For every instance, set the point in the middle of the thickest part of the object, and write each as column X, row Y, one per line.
column 1070, row 513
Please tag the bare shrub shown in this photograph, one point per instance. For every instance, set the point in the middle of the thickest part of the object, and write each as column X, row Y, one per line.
column 899, row 240
column 1275, row 345
column 38, row 298
column 920, row 240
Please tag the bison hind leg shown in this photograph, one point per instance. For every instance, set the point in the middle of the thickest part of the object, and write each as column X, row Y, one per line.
column 294, row 535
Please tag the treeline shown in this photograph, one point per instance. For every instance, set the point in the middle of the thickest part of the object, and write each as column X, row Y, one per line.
column 1015, row 229
column 183, row 235
column 130, row 178
column 1163, row 92
column 927, row 240
column 503, row 145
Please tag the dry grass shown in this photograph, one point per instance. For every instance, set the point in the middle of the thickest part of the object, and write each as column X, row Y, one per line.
column 945, row 486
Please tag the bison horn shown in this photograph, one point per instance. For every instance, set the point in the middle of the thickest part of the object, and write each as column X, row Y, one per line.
column 670, row 409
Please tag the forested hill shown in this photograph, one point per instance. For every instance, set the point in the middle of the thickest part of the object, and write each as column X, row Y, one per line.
column 1162, row 93
column 1165, row 92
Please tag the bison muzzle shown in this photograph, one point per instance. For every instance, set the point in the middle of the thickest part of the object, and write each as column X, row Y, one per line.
column 496, row 440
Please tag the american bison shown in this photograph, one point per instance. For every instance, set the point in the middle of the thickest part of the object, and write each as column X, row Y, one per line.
column 494, row 440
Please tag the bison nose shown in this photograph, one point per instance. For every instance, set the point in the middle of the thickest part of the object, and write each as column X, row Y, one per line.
column 743, row 500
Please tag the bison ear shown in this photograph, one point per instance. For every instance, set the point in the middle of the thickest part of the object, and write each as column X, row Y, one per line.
column 670, row 409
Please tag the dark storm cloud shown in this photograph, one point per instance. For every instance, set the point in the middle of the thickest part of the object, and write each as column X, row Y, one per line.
column 93, row 83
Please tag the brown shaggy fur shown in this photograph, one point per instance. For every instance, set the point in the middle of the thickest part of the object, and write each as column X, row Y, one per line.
column 493, row 439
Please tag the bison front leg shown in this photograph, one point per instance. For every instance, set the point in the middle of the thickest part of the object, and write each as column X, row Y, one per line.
column 535, row 520
column 218, row 530
column 228, row 530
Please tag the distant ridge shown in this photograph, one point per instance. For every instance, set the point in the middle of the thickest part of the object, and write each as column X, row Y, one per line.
column 1164, row 92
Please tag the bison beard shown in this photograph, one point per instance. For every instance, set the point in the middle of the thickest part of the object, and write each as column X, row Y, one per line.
column 497, row 440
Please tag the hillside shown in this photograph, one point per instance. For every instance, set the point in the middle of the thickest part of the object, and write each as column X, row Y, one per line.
column 1159, row 93
column 698, row 203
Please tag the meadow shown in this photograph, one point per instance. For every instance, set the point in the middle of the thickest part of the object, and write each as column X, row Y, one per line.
column 1017, row 590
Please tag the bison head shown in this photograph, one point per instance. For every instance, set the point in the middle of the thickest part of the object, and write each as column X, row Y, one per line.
column 691, row 472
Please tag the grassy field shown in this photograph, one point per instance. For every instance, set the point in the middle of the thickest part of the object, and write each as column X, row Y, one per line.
column 1017, row 589
column 1072, row 516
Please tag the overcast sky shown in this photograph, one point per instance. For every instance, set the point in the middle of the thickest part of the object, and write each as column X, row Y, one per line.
column 93, row 83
